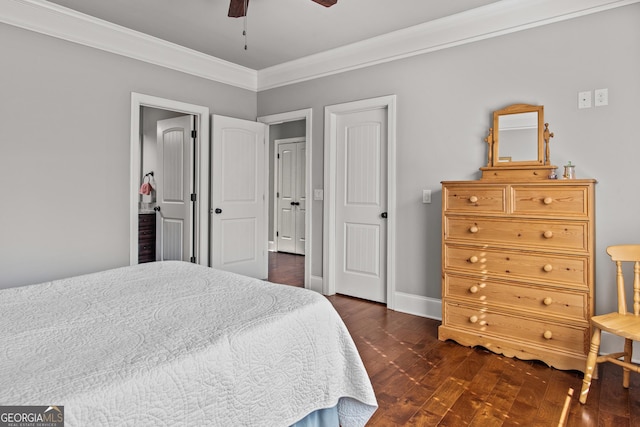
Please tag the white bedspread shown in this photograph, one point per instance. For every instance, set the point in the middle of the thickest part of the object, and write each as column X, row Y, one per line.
column 174, row 343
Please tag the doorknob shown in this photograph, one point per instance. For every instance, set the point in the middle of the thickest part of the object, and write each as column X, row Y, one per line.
column 383, row 215
column 156, row 208
column 293, row 203
column 218, row 211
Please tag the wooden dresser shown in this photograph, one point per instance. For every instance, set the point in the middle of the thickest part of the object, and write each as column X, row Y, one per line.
column 518, row 267
column 146, row 237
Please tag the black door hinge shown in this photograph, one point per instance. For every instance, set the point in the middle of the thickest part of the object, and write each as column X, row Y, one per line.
column 193, row 197
column 277, row 233
column 192, row 259
column 194, row 134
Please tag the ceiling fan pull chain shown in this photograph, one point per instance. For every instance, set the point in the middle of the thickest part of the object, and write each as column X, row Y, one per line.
column 244, row 31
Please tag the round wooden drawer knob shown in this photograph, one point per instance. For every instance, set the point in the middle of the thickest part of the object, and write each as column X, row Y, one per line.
column 547, row 301
column 547, row 335
column 547, row 268
column 473, row 229
column 473, row 199
column 548, row 234
column 473, row 259
column 547, row 200
column 473, row 319
column 473, row 289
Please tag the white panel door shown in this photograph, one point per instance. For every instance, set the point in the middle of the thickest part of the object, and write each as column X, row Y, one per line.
column 361, row 195
column 174, row 179
column 291, row 200
column 238, row 197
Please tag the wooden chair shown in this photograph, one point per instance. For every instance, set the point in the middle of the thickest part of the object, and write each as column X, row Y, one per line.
column 621, row 323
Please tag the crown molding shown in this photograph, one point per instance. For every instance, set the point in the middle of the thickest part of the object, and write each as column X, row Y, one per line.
column 492, row 20
column 57, row 21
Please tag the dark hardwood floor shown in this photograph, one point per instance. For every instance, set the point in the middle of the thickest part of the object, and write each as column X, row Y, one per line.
column 287, row 269
column 420, row 381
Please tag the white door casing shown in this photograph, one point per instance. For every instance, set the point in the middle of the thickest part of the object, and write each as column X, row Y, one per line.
column 290, row 195
column 238, row 197
column 359, row 186
column 175, row 184
column 201, row 208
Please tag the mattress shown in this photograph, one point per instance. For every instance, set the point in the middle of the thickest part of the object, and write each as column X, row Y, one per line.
column 174, row 343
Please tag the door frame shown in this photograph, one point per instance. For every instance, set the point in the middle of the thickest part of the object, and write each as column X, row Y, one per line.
column 331, row 114
column 276, row 176
column 201, row 221
column 310, row 282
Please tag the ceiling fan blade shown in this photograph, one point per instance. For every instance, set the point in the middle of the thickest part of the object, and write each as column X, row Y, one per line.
column 326, row 3
column 237, row 9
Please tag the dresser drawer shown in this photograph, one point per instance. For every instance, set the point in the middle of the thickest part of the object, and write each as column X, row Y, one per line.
column 545, row 301
column 523, row 266
column 550, row 200
column 146, row 221
column 477, row 199
column 543, row 333
column 147, row 234
column 549, row 235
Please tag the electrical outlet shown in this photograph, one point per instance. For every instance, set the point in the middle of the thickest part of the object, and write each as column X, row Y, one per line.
column 601, row 97
column 426, row 196
column 584, row 99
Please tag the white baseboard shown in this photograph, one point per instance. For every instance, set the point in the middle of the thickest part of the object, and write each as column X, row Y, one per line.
column 315, row 283
column 272, row 246
column 610, row 343
column 418, row 305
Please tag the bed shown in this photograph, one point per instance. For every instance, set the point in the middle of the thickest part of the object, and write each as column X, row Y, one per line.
column 174, row 343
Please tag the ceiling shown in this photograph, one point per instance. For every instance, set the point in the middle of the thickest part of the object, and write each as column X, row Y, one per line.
column 278, row 31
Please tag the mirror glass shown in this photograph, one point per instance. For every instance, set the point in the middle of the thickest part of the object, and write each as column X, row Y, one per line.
column 518, row 137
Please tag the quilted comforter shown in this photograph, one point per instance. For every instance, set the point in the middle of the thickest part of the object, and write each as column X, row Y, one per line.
column 173, row 343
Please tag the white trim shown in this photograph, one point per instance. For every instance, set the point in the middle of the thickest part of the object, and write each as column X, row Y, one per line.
column 419, row 305
column 315, row 283
column 66, row 24
column 492, row 20
column 307, row 116
column 276, row 176
column 202, row 170
column 272, row 246
column 330, row 141
column 610, row 343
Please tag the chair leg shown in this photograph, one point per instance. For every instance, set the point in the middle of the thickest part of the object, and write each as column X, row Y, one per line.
column 591, row 365
column 628, row 352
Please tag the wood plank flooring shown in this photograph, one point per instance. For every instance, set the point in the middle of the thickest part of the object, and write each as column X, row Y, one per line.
column 420, row 381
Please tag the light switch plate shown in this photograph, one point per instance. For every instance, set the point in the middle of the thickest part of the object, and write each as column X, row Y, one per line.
column 601, row 97
column 584, row 99
column 426, row 196
column 318, row 194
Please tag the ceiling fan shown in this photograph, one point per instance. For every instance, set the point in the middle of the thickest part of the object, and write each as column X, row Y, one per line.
column 238, row 8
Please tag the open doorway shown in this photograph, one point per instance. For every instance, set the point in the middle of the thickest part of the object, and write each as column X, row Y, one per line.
column 196, row 181
column 291, row 260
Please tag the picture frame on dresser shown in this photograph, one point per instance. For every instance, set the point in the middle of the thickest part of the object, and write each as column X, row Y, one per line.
column 518, row 261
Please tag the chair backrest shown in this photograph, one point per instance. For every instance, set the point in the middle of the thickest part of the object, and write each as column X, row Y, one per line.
column 627, row 253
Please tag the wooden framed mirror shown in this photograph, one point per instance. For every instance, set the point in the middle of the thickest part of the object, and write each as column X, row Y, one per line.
column 518, row 143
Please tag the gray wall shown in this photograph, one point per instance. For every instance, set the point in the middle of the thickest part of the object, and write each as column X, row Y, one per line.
column 64, row 151
column 444, row 104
